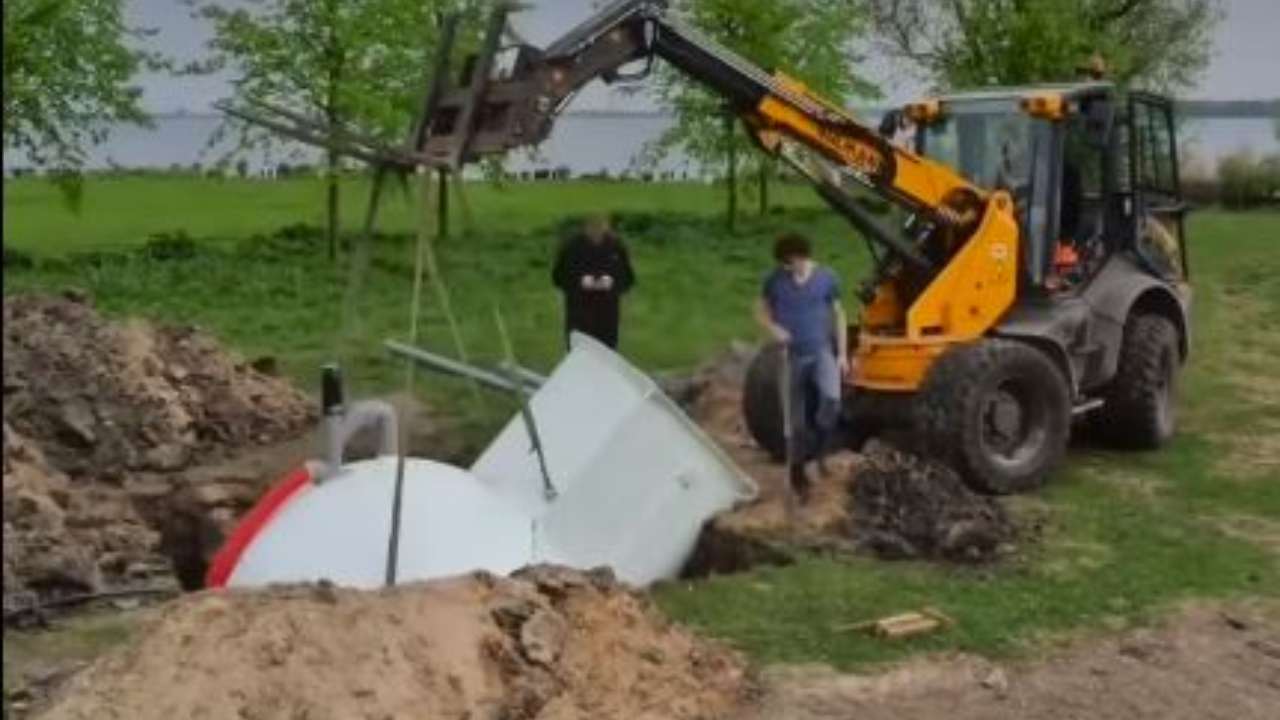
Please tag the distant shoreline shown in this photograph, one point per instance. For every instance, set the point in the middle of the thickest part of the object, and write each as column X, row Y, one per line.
column 1187, row 108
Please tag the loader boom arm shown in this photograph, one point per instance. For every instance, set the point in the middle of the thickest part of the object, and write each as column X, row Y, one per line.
column 492, row 115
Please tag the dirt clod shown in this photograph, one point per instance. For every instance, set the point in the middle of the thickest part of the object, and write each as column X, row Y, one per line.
column 462, row 647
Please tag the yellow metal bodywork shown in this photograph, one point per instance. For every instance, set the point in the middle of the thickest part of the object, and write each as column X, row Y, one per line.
column 1046, row 105
column 976, row 288
column 924, row 112
column 926, row 182
column 897, row 344
column 978, row 284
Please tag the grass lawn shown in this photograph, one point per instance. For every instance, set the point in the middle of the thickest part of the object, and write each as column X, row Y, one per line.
column 266, row 294
column 1124, row 535
column 121, row 212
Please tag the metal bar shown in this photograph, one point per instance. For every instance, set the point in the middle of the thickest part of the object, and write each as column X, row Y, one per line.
column 605, row 20
column 437, row 84
column 304, row 121
column 526, row 412
column 449, row 366
column 526, row 376
column 480, row 71
column 309, row 138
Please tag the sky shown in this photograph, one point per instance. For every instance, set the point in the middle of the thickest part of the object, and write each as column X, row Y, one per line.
column 1246, row 62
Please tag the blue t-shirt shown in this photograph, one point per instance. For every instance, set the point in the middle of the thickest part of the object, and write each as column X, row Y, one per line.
column 804, row 311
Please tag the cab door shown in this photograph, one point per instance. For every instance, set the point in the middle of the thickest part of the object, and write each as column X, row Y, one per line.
column 1158, row 209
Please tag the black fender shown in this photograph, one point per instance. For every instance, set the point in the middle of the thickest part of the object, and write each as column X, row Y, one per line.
column 1083, row 332
column 1122, row 288
column 1056, row 326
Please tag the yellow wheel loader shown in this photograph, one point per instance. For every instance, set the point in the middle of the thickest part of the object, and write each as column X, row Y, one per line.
column 1032, row 268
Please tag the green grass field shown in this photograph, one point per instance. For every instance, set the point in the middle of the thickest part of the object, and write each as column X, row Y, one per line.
column 267, row 295
column 1124, row 535
column 121, row 212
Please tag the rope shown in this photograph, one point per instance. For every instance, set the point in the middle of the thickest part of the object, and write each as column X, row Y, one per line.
column 352, row 321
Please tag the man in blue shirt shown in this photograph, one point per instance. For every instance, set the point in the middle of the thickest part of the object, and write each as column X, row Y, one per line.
column 799, row 306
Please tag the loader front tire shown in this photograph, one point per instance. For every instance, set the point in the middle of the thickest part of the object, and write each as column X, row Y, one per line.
column 998, row 412
column 1138, row 411
column 762, row 401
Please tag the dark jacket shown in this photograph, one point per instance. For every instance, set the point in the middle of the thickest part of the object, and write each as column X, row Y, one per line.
column 594, row 312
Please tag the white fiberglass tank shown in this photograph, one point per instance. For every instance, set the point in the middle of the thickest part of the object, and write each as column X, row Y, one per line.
column 635, row 480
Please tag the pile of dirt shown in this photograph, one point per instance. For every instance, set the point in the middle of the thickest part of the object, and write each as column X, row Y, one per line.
column 106, row 399
column 712, row 394
column 60, row 536
column 907, row 507
column 887, row 502
column 770, row 529
column 545, row 643
column 105, row 425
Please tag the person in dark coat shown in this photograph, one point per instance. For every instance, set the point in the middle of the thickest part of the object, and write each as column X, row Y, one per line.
column 593, row 271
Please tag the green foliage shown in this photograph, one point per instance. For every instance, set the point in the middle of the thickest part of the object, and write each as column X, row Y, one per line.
column 350, row 63
column 810, row 40
column 67, row 74
column 1245, row 181
column 1162, row 44
column 356, row 62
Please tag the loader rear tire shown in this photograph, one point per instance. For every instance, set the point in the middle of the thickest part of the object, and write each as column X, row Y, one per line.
column 1138, row 412
column 762, row 402
column 998, row 412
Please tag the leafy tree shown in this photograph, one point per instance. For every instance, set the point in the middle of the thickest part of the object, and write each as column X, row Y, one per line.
column 68, row 67
column 354, row 63
column 810, row 40
column 1163, row 44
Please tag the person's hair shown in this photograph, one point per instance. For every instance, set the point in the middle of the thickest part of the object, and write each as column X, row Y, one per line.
column 789, row 246
column 596, row 225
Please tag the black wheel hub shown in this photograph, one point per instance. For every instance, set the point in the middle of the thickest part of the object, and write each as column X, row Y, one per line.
column 1014, row 422
column 1003, row 421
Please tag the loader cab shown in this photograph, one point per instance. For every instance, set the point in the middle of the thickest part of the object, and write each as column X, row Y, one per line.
column 1092, row 172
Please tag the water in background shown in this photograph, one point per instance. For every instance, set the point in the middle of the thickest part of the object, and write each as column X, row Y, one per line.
column 583, row 143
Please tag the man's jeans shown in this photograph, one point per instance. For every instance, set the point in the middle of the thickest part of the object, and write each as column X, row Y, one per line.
column 815, row 403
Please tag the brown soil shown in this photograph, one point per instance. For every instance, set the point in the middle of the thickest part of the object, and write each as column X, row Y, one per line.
column 1204, row 663
column 713, row 398
column 545, row 643
column 125, row 446
column 882, row 500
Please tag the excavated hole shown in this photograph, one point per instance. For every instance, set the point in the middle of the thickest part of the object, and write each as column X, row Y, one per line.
column 723, row 551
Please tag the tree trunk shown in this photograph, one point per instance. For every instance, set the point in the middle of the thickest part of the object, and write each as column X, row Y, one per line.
column 732, row 181
column 442, row 209
column 765, row 168
column 333, row 56
column 331, row 228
